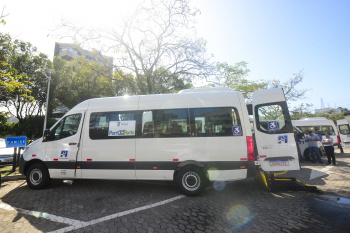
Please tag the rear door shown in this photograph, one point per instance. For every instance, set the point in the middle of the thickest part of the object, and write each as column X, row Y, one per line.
column 274, row 131
column 344, row 132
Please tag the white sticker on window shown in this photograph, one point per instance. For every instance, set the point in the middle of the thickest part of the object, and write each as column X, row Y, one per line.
column 121, row 128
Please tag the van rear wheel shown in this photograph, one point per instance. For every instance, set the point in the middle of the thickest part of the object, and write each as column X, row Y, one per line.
column 37, row 176
column 191, row 180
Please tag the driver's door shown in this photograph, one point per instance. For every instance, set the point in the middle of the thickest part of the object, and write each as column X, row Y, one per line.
column 274, row 131
column 63, row 145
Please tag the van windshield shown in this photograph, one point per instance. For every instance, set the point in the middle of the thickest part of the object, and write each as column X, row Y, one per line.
column 273, row 118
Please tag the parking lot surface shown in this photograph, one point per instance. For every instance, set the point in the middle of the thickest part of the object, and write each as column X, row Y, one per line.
column 145, row 206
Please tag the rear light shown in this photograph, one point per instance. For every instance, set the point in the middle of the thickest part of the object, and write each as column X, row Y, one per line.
column 338, row 139
column 250, row 148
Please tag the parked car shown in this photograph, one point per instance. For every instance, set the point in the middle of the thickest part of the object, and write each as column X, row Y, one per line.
column 6, row 154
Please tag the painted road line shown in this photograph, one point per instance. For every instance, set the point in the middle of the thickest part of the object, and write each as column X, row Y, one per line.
column 43, row 215
column 276, row 195
column 318, row 173
column 117, row 215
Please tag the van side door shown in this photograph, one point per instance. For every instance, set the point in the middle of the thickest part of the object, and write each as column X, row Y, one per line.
column 274, row 131
column 62, row 146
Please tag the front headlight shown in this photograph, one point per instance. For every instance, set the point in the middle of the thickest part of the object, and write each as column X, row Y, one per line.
column 25, row 149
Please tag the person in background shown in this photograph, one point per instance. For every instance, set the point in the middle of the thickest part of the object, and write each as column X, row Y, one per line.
column 312, row 140
column 328, row 147
column 297, row 141
column 318, row 135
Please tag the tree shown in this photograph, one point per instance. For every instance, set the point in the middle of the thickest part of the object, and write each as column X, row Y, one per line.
column 10, row 80
column 158, row 40
column 78, row 80
column 289, row 87
column 234, row 78
column 23, row 81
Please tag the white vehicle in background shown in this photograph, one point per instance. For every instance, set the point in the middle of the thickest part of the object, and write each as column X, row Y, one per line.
column 6, row 154
column 322, row 125
column 192, row 137
column 344, row 132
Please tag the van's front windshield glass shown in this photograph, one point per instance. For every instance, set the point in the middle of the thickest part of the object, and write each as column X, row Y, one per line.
column 273, row 118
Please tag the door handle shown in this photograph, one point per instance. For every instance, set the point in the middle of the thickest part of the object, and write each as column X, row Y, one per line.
column 72, row 143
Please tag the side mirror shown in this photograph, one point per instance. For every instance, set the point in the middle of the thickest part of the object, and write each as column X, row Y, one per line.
column 47, row 135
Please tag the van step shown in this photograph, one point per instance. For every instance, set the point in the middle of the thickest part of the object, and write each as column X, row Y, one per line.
column 69, row 182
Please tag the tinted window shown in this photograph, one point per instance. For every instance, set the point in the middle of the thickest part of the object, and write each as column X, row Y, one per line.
column 208, row 122
column 322, row 129
column 344, row 129
column 67, row 127
column 273, row 118
column 111, row 125
column 165, row 123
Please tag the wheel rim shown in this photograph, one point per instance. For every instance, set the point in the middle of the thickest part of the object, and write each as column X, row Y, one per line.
column 191, row 181
column 35, row 176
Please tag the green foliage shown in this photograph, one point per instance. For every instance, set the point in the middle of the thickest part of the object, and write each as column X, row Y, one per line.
column 79, row 80
column 5, row 128
column 25, row 67
column 160, row 82
column 12, row 83
column 333, row 117
column 23, row 83
column 301, row 111
column 289, row 87
column 234, row 77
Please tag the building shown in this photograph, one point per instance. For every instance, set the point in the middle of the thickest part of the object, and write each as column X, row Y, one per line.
column 328, row 110
column 69, row 51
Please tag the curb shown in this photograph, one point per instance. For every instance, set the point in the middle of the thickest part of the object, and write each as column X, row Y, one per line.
column 14, row 177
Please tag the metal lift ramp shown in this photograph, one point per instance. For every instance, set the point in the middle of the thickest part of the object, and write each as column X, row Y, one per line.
column 270, row 181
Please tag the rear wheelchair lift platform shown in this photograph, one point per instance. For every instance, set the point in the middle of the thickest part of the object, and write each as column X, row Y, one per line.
column 272, row 183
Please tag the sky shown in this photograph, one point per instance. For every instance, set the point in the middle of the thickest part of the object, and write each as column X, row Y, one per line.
column 277, row 38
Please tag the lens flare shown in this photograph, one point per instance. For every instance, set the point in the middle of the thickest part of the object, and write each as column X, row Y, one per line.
column 219, row 185
column 239, row 215
column 213, row 173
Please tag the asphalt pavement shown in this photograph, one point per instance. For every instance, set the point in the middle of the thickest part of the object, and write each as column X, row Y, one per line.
column 144, row 206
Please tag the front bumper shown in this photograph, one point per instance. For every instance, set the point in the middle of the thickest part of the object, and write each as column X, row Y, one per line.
column 22, row 164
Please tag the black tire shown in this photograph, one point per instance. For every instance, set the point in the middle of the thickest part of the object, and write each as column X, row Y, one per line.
column 37, row 176
column 191, row 180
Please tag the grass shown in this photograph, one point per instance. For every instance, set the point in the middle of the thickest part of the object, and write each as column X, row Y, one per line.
column 7, row 171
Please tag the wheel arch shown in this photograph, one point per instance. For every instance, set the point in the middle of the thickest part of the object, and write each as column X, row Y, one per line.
column 31, row 162
column 190, row 163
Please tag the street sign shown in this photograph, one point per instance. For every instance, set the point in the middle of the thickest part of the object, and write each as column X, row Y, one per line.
column 16, row 142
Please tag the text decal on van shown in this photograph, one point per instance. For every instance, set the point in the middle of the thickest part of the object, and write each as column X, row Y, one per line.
column 121, row 128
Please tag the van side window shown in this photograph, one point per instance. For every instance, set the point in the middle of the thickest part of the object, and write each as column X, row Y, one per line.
column 344, row 129
column 165, row 123
column 113, row 125
column 273, row 118
column 209, row 122
column 67, row 127
column 322, row 129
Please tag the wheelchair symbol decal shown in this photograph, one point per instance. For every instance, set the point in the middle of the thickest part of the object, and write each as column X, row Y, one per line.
column 237, row 131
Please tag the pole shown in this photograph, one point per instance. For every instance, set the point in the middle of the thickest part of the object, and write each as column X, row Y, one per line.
column 14, row 162
column 47, row 101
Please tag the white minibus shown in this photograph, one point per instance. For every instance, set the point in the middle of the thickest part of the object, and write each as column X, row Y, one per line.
column 322, row 125
column 344, row 132
column 192, row 137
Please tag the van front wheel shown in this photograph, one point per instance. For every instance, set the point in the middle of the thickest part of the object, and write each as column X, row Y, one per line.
column 191, row 180
column 37, row 176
